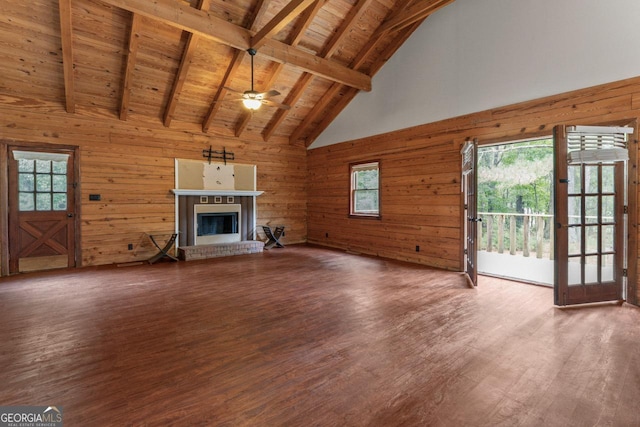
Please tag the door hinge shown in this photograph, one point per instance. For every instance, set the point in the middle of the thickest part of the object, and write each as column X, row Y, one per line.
column 466, row 251
column 624, row 272
column 626, row 209
column 75, row 185
column 466, row 207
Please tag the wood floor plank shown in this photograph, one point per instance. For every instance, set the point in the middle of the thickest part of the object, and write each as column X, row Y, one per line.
column 310, row 336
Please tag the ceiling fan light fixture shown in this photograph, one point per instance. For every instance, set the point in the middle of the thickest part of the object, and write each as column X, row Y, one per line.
column 252, row 103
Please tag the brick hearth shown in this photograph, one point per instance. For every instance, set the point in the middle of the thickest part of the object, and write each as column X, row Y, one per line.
column 191, row 253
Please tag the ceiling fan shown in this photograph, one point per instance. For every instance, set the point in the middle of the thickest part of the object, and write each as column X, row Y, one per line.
column 252, row 99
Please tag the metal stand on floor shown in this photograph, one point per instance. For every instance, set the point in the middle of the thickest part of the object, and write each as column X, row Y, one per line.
column 164, row 251
column 273, row 236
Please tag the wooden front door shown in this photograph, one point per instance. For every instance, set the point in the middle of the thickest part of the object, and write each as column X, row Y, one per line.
column 469, row 188
column 41, row 209
column 590, row 198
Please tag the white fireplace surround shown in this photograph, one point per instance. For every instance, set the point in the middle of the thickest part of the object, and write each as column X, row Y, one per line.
column 216, row 238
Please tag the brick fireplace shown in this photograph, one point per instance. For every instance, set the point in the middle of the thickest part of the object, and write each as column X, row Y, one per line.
column 215, row 209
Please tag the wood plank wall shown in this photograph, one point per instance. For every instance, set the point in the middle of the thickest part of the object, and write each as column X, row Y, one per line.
column 131, row 165
column 420, row 173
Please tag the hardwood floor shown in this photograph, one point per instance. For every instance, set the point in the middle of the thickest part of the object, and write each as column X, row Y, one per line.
column 307, row 336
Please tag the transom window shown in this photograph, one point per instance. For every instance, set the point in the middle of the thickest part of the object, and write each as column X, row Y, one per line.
column 365, row 189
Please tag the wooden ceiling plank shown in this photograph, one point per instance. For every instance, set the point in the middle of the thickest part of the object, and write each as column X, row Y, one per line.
column 238, row 56
column 182, row 16
column 317, row 109
column 354, row 15
column 66, row 36
column 281, row 20
column 293, row 97
column 414, row 13
column 132, row 52
column 183, row 70
column 309, row 14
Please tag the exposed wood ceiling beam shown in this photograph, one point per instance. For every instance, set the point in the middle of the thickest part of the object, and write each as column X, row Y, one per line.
column 309, row 14
column 232, row 69
column 66, row 31
column 305, row 80
column 132, row 52
column 350, row 93
column 281, row 20
column 183, row 70
column 182, row 16
column 416, row 12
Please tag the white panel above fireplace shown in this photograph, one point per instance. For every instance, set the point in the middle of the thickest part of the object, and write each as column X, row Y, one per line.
column 211, row 239
column 198, row 175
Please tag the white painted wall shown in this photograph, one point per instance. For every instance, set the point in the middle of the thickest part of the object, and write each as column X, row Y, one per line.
column 475, row 55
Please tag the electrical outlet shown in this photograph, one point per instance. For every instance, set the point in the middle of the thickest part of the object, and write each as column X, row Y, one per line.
column 130, row 246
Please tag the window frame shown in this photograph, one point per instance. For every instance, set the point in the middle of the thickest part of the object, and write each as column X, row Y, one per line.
column 354, row 167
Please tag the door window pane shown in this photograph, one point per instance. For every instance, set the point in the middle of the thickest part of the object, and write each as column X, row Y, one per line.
column 59, row 167
column 591, row 270
column 608, row 209
column 575, row 179
column 43, row 201
column 575, row 240
column 25, row 165
column 575, row 210
column 25, row 182
column 608, row 268
column 575, row 271
column 591, row 209
column 43, row 182
column 591, row 239
column 608, row 181
column 59, row 183
column 25, row 202
column 43, row 166
column 60, row 201
column 608, row 238
column 591, row 179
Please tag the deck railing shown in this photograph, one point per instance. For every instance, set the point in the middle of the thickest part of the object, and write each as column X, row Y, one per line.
column 519, row 234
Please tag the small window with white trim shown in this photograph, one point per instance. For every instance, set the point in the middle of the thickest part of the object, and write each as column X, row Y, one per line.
column 365, row 189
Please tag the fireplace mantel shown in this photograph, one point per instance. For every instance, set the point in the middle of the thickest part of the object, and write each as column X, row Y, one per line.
column 188, row 192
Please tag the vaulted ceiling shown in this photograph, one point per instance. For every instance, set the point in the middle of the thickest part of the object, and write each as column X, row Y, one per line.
column 186, row 63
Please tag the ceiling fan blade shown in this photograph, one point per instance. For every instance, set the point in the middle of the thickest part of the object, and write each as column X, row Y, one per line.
column 270, row 93
column 276, row 104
